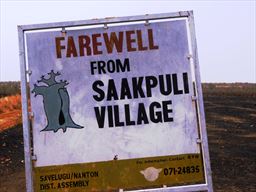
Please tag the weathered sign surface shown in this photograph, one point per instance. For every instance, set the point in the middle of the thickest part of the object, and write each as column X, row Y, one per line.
column 113, row 108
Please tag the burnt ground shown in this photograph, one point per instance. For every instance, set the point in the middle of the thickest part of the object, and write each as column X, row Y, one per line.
column 231, row 126
column 12, row 171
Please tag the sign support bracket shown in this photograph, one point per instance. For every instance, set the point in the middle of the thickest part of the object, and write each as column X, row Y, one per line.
column 25, row 113
column 199, row 95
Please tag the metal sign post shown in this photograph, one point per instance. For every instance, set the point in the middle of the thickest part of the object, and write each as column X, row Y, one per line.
column 117, row 105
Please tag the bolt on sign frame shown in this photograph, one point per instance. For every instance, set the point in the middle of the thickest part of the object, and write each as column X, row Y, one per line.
column 164, row 171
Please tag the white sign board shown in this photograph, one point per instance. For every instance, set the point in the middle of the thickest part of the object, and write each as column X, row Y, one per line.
column 112, row 97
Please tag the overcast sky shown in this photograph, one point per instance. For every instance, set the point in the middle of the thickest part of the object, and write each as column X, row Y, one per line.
column 225, row 30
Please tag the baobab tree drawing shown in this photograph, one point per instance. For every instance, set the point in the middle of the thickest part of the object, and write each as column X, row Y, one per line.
column 56, row 103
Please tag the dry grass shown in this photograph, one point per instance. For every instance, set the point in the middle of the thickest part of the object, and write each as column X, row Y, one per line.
column 10, row 111
column 8, row 104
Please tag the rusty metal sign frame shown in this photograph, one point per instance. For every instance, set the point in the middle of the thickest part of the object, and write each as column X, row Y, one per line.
column 207, row 186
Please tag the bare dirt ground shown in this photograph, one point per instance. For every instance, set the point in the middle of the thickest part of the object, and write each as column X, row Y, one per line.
column 231, row 126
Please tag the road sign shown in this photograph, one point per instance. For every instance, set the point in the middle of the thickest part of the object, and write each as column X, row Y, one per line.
column 115, row 107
